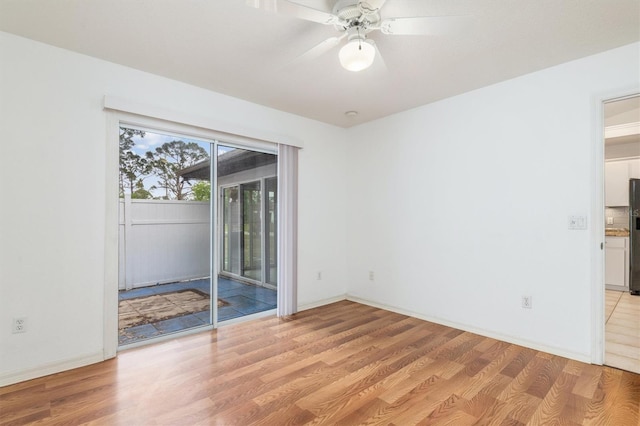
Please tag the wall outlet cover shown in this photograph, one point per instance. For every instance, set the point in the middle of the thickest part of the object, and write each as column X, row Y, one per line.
column 19, row 325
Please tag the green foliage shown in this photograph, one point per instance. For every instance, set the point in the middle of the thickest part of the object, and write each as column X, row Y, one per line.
column 201, row 191
column 133, row 167
column 126, row 138
column 165, row 163
column 167, row 160
column 140, row 192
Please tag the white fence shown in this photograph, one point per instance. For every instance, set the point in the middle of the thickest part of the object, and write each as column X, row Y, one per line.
column 162, row 241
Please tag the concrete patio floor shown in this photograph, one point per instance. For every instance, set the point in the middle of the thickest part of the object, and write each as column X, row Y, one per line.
column 243, row 299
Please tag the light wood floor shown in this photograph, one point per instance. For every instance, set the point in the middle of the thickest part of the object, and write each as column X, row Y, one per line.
column 622, row 330
column 343, row 363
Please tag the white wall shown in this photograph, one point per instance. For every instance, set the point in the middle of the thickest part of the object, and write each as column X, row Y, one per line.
column 507, row 164
column 52, row 219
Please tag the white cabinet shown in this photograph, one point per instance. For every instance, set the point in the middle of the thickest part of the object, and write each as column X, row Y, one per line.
column 634, row 168
column 616, row 262
column 616, row 173
column 616, row 180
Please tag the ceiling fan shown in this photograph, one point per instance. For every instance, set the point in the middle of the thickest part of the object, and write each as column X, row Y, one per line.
column 355, row 19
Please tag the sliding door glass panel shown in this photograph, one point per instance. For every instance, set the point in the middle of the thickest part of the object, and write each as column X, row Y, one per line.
column 231, row 230
column 252, row 231
column 271, row 231
column 247, row 238
column 165, row 234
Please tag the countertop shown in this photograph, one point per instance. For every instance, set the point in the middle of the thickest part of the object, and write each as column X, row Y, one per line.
column 616, row 232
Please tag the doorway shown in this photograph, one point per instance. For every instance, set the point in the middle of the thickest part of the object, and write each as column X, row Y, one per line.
column 191, row 234
column 622, row 162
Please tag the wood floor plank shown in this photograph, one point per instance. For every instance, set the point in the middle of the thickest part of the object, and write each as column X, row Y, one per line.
column 410, row 408
column 300, row 387
column 600, row 411
column 546, row 377
column 587, row 382
column 575, row 409
column 491, row 370
column 552, row 405
column 524, row 379
column 343, row 363
column 440, row 368
column 449, row 412
column 627, row 399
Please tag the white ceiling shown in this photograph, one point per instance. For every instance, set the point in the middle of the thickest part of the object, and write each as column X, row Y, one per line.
column 230, row 48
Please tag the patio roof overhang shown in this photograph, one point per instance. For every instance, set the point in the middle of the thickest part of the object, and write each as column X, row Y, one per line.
column 230, row 162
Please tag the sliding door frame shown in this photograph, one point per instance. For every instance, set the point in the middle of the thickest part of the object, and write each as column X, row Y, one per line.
column 115, row 119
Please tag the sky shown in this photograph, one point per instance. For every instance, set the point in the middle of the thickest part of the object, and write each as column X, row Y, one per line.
column 153, row 140
column 150, row 142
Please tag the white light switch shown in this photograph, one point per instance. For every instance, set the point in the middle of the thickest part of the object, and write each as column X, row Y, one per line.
column 609, row 220
column 577, row 222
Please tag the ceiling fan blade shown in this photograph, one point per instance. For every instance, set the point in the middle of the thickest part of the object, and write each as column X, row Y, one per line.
column 379, row 59
column 296, row 10
column 371, row 5
column 318, row 50
column 424, row 25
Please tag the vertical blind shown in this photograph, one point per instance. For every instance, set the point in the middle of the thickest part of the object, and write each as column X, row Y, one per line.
column 287, row 230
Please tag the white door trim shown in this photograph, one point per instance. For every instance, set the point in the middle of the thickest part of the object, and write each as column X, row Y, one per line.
column 597, row 215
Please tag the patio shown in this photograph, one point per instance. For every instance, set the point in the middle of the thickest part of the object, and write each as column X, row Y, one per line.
column 238, row 299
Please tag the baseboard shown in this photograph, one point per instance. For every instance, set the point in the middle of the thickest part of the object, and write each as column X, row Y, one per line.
column 479, row 331
column 51, row 368
column 616, row 288
column 322, row 302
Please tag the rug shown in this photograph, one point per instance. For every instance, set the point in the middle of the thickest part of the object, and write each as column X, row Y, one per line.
column 160, row 307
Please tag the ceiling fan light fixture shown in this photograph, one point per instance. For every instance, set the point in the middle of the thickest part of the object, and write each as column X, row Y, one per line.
column 357, row 55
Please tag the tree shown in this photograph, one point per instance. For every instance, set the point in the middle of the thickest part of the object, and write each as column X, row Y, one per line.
column 133, row 167
column 140, row 192
column 201, row 191
column 168, row 160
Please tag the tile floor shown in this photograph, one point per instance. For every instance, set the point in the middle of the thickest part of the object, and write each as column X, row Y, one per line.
column 622, row 330
column 243, row 300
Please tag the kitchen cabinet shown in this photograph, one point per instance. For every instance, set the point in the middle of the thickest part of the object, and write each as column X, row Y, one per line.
column 616, row 261
column 616, row 180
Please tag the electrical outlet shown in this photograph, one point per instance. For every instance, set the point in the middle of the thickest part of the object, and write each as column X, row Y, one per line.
column 19, row 325
column 527, row 302
column 371, row 276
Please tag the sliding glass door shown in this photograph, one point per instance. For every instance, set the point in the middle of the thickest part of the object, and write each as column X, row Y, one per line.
column 247, row 279
column 198, row 226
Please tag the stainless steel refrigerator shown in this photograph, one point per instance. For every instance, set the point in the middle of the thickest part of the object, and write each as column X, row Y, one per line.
column 634, row 236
